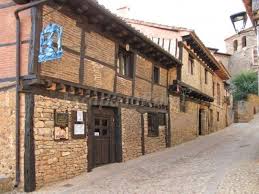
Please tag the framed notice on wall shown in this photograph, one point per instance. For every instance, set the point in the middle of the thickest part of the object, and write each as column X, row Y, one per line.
column 79, row 127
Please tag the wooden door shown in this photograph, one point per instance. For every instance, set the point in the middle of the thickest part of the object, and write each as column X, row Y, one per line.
column 103, row 137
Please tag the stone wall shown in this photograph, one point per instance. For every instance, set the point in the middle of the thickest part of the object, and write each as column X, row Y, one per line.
column 131, row 134
column 184, row 125
column 254, row 100
column 221, row 123
column 56, row 160
column 153, row 144
column 7, row 138
column 7, row 130
column 244, row 111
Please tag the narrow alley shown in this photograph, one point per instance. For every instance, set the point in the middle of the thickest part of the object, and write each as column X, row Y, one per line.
column 224, row 162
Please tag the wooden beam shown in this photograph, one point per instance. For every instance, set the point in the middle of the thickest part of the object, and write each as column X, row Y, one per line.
column 70, row 89
column 142, row 134
column 60, row 87
column 29, row 146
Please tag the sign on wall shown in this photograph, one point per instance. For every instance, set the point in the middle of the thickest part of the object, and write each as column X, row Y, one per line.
column 51, row 43
column 61, row 125
column 79, row 128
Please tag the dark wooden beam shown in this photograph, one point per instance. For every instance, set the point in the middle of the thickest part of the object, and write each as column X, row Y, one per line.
column 29, row 146
column 142, row 134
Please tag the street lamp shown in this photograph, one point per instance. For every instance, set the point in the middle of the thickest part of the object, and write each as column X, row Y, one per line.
column 239, row 21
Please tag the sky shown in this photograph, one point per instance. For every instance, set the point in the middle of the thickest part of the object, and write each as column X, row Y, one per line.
column 209, row 18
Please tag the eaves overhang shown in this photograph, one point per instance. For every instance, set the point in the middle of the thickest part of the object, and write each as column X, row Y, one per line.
column 111, row 24
column 205, row 55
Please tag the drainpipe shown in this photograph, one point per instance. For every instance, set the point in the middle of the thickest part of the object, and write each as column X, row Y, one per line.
column 18, row 69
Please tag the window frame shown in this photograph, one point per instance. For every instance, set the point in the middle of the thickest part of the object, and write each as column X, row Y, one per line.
column 153, row 124
column 191, row 64
column 206, row 73
column 218, row 94
column 125, row 69
column 213, row 89
column 182, row 103
column 235, row 45
column 244, row 41
column 156, row 80
column 162, row 119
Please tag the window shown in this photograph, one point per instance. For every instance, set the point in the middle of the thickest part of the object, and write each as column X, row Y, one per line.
column 182, row 103
column 206, row 76
column 156, row 75
column 153, row 125
column 217, row 116
column 125, row 63
column 243, row 41
column 191, row 65
column 235, row 45
column 213, row 88
column 162, row 119
column 218, row 93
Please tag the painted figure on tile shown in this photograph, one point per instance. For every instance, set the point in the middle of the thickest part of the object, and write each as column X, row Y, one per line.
column 51, row 43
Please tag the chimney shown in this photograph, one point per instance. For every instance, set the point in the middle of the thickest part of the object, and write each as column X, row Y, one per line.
column 123, row 11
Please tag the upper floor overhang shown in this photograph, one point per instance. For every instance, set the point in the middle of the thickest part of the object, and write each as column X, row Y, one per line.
column 180, row 88
column 96, row 14
column 205, row 55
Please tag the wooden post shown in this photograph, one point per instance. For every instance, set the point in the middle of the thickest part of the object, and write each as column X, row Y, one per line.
column 82, row 58
column 90, row 137
column 118, row 135
column 29, row 149
column 142, row 134
column 168, row 129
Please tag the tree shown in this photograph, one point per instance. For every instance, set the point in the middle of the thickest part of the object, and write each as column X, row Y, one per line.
column 243, row 84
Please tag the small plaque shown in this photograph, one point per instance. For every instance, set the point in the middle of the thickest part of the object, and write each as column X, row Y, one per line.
column 96, row 134
column 61, row 119
column 79, row 129
column 80, row 116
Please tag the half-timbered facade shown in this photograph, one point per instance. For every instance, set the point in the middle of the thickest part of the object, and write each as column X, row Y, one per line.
column 93, row 90
column 200, row 94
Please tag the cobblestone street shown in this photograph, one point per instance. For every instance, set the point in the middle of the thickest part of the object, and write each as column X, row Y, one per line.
column 224, row 162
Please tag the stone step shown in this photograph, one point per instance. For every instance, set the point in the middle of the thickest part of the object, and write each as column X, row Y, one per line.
column 5, row 184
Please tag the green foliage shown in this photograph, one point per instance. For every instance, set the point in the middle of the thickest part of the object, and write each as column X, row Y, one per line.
column 243, row 84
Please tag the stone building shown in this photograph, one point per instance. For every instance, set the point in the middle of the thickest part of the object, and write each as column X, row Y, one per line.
column 243, row 50
column 93, row 90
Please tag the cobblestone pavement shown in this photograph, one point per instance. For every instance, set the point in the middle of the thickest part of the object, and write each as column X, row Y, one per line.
column 225, row 162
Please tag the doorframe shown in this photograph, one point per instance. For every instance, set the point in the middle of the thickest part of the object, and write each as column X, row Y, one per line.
column 117, row 136
column 200, row 122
